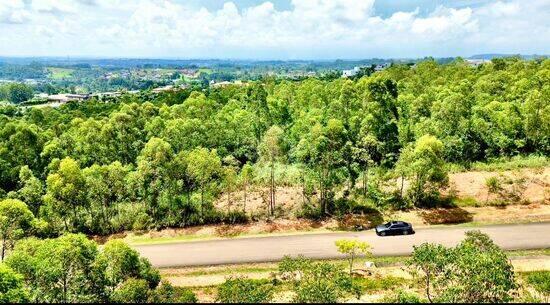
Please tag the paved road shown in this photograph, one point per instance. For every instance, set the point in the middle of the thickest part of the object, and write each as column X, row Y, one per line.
column 321, row 246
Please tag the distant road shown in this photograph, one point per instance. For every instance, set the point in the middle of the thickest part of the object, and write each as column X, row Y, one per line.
column 321, row 246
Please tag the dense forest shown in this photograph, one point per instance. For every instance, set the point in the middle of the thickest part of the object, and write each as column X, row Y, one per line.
column 144, row 161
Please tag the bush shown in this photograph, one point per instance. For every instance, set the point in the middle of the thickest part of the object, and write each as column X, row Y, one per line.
column 540, row 280
column 131, row 216
column 11, row 286
column 309, row 211
column 475, row 271
column 316, row 282
column 403, row 297
column 166, row 293
column 242, row 290
column 131, row 291
column 235, row 217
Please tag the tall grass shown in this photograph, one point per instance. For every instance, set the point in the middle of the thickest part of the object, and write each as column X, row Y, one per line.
column 504, row 163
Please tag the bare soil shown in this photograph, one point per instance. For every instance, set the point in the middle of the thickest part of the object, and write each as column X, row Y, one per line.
column 531, row 185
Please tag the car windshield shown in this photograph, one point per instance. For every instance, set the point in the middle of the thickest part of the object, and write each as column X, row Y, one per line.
column 388, row 225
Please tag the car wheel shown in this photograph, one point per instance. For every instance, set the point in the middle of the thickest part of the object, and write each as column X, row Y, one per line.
column 405, row 232
column 382, row 233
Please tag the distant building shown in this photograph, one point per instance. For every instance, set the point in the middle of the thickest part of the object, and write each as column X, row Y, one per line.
column 163, row 89
column 226, row 83
column 351, row 73
column 68, row 97
column 476, row 62
column 381, row 67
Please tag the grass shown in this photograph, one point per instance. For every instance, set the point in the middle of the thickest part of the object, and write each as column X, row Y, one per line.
column 379, row 261
column 504, row 164
column 139, row 240
column 60, row 73
column 205, row 70
column 540, row 280
column 466, row 202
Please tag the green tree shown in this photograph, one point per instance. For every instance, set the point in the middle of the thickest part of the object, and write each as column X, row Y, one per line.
column 131, row 291
column 152, row 176
column 270, row 151
column 422, row 163
column 31, row 190
column 246, row 176
column 66, row 192
column 352, row 248
column 16, row 221
column 322, row 150
column 106, row 188
column 18, row 92
column 57, row 270
column 475, row 271
column 166, row 293
column 315, row 282
column 204, row 166
column 12, row 289
column 122, row 263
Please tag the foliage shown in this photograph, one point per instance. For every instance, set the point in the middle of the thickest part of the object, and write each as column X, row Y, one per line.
column 476, row 270
column 71, row 268
column 352, row 248
column 423, row 164
column 242, row 290
column 166, row 293
column 131, row 291
column 11, row 286
column 316, row 282
column 402, row 297
column 147, row 161
column 16, row 221
column 540, row 280
column 16, row 92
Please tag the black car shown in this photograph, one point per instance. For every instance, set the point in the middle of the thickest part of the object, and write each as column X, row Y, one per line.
column 394, row 228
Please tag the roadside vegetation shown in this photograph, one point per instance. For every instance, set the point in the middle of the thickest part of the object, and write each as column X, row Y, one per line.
column 475, row 270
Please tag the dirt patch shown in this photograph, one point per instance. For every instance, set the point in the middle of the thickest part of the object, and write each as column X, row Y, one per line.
column 530, row 185
column 445, row 216
column 478, row 215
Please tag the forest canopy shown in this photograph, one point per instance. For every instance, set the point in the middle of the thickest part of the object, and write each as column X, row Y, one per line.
column 155, row 161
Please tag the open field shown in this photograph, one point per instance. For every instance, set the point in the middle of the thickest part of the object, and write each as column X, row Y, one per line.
column 60, row 73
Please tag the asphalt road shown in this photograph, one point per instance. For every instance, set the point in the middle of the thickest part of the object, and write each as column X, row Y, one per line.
column 321, row 246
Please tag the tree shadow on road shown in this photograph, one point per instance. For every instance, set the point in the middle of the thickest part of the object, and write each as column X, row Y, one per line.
column 446, row 215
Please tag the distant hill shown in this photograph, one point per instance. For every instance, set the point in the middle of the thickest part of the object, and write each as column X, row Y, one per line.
column 496, row 55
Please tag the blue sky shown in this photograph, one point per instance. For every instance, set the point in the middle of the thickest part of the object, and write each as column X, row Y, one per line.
column 276, row 29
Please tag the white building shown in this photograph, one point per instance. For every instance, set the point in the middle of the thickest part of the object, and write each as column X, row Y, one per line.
column 351, row 73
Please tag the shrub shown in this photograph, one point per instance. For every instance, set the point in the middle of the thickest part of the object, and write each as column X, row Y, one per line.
column 242, row 290
column 166, row 293
column 131, row 291
column 475, row 271
column 316, row 282
column 235, row 217
column 540, row 280
column 403, row 297
column 11, row 286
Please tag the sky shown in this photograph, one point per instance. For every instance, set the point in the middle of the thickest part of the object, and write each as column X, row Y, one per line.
column 276, row 29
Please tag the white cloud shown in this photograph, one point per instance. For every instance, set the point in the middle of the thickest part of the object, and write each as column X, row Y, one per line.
column 310, row 28
column 12, row 11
